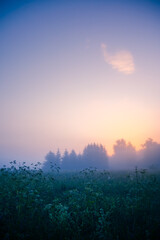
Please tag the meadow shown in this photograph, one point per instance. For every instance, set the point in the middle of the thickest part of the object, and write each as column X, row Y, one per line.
column 91, row 204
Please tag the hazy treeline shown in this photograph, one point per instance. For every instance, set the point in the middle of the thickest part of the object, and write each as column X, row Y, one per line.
column 93, row 156
column 125, row 156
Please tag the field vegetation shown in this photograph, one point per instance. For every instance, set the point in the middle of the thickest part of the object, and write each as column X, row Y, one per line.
column 89, row 204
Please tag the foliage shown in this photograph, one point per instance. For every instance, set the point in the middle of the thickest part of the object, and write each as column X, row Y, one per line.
column 87, row 205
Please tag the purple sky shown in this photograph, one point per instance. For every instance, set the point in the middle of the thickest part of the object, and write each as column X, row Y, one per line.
column 75, row 72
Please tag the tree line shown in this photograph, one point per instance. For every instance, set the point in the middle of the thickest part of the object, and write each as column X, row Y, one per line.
column 93, row 155
column 125, row 156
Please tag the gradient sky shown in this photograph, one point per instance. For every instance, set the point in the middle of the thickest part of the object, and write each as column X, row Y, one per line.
column 76, row 72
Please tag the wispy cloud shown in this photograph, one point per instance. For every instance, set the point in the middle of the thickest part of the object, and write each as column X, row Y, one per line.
column 121, row 61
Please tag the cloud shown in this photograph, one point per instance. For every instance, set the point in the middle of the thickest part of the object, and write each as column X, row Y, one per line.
column 121, row 61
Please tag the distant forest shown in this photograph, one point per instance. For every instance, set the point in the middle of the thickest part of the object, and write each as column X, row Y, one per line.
column 125, row 156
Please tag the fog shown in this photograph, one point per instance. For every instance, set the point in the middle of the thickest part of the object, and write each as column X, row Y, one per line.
column 124, row 157
column 95, row 156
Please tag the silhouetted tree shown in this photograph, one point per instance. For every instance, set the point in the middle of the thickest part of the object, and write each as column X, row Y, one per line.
column 150, row 154
column 124, row 155
column 65, row 160
column 69, row 161
column 58, row 158
column 73, row 159
column 52, row 161
column 95, row 156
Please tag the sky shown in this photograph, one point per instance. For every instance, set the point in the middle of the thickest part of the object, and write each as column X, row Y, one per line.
column 77, row 72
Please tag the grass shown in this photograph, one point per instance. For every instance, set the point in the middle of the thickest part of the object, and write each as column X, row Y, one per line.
column 85, row 205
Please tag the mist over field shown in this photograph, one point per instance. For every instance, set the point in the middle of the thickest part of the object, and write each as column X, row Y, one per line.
column 79, row 120
column 124, row 157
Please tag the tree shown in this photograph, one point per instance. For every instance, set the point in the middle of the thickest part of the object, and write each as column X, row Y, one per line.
column 73, row 160
column 52, row 161
column 58, row 158
column 69, row 161
column 95, row 156
column 124, row 155
column 65, row 160
column 150, row 154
